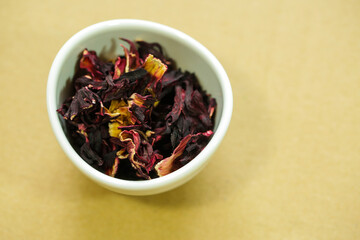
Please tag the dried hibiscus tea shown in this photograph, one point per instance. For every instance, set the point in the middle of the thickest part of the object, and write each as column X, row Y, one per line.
column 138, row 116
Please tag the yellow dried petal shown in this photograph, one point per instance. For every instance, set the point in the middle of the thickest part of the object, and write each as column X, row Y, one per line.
column 148, row 133
column 119, row 110
column 114, row 107
column 136, row 99
column 114, row 130
column 154, row 67
column 122, row 153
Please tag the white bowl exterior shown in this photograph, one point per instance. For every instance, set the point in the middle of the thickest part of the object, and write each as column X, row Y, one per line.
column 189, row 55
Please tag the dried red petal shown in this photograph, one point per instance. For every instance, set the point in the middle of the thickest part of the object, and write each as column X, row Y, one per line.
column 175, row 161
column 212, row 106
column 84, row 99
column 119, row 68
column 125, row 85
column 155, row 49
column 178, row 106
column 139, row 152
column 90, row 62
column 166, row 166
column 133, row 55
column 112, row 171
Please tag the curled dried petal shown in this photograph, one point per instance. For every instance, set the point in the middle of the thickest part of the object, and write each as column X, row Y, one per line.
column 120, row 116
column 156, row 69
column 139, row 152
column 112, row 171
column 133, row 55
column 119, row 68
column 166, row 166
column 90, row 62
column 178, row 106
column 176, row 160
column 84, row 99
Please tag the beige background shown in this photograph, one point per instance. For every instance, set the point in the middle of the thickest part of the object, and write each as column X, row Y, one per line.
column 289, row 167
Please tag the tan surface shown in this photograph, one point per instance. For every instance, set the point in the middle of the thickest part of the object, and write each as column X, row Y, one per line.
column 289, row 167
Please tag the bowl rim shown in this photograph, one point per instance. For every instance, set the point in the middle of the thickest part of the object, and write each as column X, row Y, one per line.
column 185, row 172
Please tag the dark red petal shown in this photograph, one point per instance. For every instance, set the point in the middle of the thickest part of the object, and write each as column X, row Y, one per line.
column 118, row 68
column 178, row 106
column 113, row 170
column 83, row 100
column 191, row 144
column 154, row 49
column 139, row 152
column 166, row 166
column 125, row 85
column 212, row 107
column 134, row 58
column 90, row 62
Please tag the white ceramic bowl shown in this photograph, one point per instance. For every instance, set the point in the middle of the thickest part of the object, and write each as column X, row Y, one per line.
column 189, row 55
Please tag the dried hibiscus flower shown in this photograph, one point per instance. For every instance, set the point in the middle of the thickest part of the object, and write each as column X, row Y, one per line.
column 137, row 117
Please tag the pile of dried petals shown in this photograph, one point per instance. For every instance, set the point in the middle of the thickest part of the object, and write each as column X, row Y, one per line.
column 137, row 117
